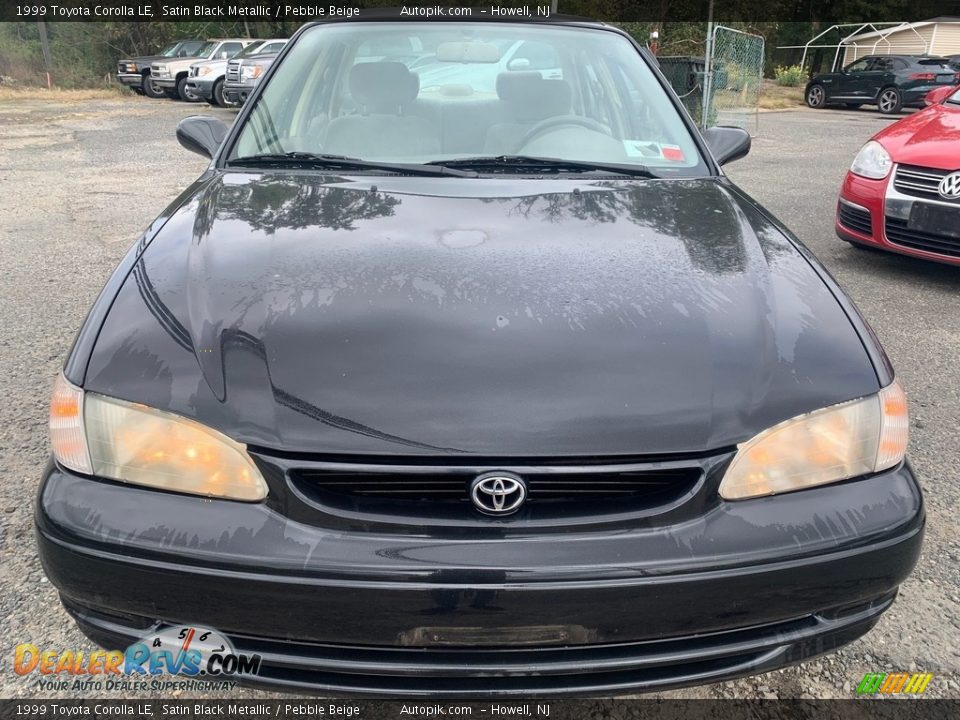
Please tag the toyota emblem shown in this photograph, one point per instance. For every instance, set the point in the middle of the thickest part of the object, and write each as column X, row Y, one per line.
column 950, row 186
column 498, row 493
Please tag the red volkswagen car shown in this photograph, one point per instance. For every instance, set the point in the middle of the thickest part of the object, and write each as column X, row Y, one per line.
column 902, row 192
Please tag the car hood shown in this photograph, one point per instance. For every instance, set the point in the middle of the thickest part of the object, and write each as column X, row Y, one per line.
column 180, row 63
column 264, row 60
column 495, row 317
column 930, row 138
column 216, row 66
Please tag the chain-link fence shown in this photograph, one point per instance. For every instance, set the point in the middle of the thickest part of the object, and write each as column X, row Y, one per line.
column 735, row 78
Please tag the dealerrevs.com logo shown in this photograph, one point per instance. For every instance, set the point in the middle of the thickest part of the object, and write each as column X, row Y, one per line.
column 185, row 657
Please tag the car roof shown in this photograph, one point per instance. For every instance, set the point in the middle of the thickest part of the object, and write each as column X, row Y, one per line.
column 904, row 56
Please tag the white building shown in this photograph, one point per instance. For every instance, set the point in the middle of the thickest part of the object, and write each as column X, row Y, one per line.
column 939, row 36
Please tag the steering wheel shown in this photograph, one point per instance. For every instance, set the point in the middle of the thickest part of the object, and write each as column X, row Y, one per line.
column 560, row 121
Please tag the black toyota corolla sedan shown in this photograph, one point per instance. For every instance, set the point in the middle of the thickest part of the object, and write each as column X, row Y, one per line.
column 463, row 370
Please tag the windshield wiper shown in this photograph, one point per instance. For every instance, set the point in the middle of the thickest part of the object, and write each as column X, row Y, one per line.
column 342, row 162
column 508, row 163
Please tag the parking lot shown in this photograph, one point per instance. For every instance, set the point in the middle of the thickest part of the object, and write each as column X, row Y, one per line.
column 80, row 179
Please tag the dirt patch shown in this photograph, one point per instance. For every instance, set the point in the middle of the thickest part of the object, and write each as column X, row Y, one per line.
column 776, row 97
column 56, row 95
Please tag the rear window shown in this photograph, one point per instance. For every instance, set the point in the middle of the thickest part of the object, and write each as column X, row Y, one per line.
column 941, row 63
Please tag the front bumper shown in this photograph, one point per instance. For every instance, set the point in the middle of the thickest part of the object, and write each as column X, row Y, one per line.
column 237, row 93
column 749, row 587
column 165, row 83
column 201, row 88
column 130, row 79
column 873, row 196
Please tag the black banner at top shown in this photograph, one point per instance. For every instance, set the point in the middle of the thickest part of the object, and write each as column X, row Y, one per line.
column 819, row 11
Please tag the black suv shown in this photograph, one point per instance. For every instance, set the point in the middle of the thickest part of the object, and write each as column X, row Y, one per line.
column 135, row 72
column 887, row 81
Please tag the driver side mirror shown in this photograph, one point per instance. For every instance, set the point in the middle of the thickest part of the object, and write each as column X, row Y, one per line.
column 201, row 134
column 727, row 143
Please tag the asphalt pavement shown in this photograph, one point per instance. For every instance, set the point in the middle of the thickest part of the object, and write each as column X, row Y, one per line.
column 80, row 180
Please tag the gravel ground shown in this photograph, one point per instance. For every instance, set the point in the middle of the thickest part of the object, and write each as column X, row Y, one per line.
column 80, row 180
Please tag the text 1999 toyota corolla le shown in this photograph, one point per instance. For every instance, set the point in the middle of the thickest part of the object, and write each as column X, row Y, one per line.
column 463, row 370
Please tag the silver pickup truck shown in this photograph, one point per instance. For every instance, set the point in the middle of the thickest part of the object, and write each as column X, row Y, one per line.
column 171, row 75
column 244, row 73
column 206, row 78
column 134, row 72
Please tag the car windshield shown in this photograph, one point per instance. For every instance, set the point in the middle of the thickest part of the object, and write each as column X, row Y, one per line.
column 205, row 50
column 432, row 93
column 249, row 50
column 271, row 47
column 169, row 50
column 955, row 98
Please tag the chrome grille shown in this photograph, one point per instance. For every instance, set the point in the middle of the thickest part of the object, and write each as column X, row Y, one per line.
column 233, row 71
column 919, row 181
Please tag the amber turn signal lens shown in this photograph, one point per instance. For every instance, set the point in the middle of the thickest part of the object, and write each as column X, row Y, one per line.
column 895, row 427
column 66, row 427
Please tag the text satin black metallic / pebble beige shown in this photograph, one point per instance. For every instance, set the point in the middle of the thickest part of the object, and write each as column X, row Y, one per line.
column 464, row 371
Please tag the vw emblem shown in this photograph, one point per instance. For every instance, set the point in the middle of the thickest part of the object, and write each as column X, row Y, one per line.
column 498, row 493
column 950, row 186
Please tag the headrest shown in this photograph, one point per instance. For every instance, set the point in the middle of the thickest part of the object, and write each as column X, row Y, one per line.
column 383, row 87
column 531, row 97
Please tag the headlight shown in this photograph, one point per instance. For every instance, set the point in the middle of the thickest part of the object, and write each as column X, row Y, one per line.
column 252, row 72
column 838, row 442
column 133, row 443
column 203, row 71
column 872, row 161
column 162, row 71
column 131, row 67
